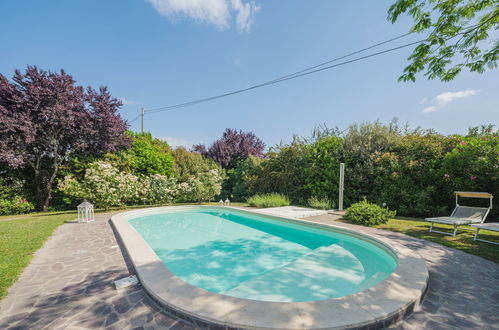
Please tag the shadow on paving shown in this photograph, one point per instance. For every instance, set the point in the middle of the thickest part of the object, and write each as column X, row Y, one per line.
column 463, row 289
column 90, row 301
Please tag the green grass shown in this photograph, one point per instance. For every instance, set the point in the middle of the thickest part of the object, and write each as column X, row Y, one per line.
column 463, row 240
column 20, row 238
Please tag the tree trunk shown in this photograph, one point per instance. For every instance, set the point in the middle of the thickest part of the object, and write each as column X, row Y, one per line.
column 44, row 179
column 43, row 194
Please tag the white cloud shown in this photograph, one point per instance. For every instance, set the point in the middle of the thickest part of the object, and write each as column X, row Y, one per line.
column 245, row 14
column 429, row 109
column 127, row 102
column 216, row 12
column 423, row 100
column 443, row 99
column 448, row 97
column 177, row 142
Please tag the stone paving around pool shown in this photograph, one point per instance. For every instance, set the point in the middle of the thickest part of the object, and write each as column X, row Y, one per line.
column 69, row 285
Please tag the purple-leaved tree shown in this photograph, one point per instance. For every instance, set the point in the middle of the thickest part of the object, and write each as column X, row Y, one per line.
column 233, row 146
column 45, row 118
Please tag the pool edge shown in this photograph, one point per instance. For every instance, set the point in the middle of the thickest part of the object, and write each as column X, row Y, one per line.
column 377, row 307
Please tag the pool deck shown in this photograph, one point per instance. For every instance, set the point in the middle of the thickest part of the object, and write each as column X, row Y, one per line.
column 68, row 285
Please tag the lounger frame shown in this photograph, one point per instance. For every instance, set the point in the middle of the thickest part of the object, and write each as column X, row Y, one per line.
column 477, row 229
column 456, row 226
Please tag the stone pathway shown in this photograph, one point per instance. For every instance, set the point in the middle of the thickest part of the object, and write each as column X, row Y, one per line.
column 68, row 285
column 293, row 212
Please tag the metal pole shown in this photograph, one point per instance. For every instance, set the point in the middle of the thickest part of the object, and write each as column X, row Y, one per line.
column 142, row 115
column 342, row 186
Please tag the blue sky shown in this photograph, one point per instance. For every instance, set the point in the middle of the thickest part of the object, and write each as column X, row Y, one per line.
column 154, row 53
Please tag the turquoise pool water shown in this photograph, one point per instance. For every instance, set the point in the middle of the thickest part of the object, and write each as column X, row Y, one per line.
column 254, row 257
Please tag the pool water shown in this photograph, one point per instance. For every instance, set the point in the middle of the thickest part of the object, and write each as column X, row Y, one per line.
column 256, row 257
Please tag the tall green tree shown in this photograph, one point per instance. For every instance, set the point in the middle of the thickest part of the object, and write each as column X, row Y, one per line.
column 459, row 36
column 147, row 156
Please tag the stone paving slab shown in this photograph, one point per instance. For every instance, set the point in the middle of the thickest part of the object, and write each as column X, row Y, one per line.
column 69, row 285
column 463, row 290
column 293, row 212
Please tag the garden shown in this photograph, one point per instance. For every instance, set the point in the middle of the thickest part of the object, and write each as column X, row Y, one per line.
column 53, row 157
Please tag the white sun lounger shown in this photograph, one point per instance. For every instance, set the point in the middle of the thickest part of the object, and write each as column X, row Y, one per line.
column 493, row 226
column 463, row 215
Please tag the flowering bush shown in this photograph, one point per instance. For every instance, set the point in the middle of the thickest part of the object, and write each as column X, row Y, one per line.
column 160, row 189
column 473, row 164
column 104, row 185
column 201, row 187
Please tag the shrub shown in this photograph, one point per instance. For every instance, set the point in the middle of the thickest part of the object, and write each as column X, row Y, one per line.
column 159, row 189
column 368, row 214
column 16, row 205
column 104, row 185
column 268, row 200
column 204, row 186
column 320, row 203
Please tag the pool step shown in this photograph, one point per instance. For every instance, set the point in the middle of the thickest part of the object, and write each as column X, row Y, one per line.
column 324, row 273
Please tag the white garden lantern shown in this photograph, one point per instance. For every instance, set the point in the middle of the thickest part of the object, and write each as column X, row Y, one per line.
column 85, row 212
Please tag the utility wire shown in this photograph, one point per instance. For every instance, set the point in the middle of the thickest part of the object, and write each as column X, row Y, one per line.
column 134, row 119
column 310, row 70
column 307, row 69
column 279, row 80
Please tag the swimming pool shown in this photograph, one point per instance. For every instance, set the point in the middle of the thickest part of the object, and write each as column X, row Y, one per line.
column 255, row 257
column 225, row 267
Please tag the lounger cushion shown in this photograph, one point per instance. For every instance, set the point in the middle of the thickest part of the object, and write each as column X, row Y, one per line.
column 494, row 226
column 453, row 220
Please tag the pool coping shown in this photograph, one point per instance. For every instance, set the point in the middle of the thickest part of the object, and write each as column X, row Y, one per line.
column 376, row 307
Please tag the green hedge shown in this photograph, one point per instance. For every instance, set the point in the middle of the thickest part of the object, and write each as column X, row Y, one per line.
column 412, row 171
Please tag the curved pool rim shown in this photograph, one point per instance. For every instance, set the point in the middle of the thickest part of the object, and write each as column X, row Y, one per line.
column 380, row 305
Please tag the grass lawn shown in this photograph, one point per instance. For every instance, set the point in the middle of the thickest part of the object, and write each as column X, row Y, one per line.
column 463, row 240
column 20, row 238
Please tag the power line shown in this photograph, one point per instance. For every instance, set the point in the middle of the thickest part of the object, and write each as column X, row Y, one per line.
column 134, row 119
column 279, row 80
column 303, row 70
column 311, row 70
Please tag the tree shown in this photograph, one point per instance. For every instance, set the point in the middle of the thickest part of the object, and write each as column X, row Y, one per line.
column 233, row 146
column 45, row 118
column 284, row 171
column 147, row 156
column 458, row 38
column 189, row 164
